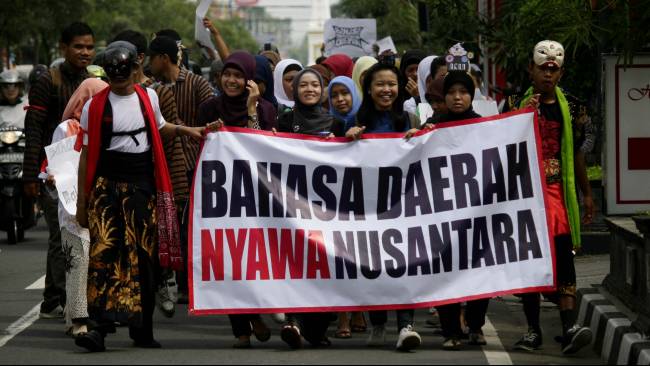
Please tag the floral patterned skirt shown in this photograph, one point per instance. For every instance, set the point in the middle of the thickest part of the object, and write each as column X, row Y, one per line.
column 122, row 220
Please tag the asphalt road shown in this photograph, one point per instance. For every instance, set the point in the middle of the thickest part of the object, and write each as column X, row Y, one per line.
column 209, row 340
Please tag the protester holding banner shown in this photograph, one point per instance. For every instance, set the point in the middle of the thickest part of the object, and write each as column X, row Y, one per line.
column 307, row 116
column 283, row 75
column 344, row 100
column 241, row 104
column 380, row 111
column 379, row 114
column 557, row 123
column 458, row 90
column 360, row 69
column 126, row 201
column 327, row 76
column 75, row 240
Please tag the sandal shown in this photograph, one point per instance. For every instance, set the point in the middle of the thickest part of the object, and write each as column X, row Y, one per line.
column 290, row 334
column 358, row 328
column 343, row 333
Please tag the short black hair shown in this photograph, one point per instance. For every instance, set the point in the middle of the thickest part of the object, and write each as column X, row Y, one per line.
column 163, row 45
column 436, row 64
column 169, row 33
column 135, row 38
column 76, row 29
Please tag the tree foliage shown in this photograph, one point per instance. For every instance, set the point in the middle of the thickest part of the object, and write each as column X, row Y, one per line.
column 37, row 24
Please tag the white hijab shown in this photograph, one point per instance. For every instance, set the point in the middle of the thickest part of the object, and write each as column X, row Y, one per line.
column 424, row 70
column 278, row 86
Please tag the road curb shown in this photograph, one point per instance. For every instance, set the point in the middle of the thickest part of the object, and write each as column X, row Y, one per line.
column 615, row 340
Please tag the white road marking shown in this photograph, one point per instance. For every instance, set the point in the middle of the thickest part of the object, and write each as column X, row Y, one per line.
column 37, row 285
column 496, row 354
column 20, row 325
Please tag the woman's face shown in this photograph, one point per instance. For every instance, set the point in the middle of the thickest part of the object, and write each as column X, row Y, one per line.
column 341, row 99
column 384, row 89
column 309, row 89
column 458, row 99
column 10, row 92
column 233, row 82
column 287, row 83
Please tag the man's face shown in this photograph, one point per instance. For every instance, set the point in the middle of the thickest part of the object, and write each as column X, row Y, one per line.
column 157, row 65
column 80, row 52
column 545, row 78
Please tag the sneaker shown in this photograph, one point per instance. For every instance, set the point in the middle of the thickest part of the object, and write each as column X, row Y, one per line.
column 290, row 334
column 576, row 338
column 452, row 344
column 408, row 339
column 530, row 341
column 165, row 302
column 477, row 339
column 279, row 318
column 377, row 336
column 56, row 313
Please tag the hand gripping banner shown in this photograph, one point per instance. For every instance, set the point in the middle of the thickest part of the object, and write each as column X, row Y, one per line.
column 294, row 223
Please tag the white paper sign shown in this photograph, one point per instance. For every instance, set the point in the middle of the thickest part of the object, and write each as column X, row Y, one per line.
column 201, row 34
column 386, row 44
column 486, row 108
column 353, row 37
column 294, row 223
column 63, row 164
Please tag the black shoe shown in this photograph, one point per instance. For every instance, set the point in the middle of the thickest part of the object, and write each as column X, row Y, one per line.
column 242, row 344
column 290, row 334
column 576, row 338
column 93, row 341
column 531, row 341
column 182, row 298
column 151, row 343
column 477, row 339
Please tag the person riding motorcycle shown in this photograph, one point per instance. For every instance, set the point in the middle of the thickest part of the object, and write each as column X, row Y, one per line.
column 12, row 100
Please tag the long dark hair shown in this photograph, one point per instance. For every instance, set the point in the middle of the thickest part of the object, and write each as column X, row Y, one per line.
column 368, row 114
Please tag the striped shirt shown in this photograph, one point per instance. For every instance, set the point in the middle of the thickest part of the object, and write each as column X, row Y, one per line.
column 190, row 90
column 48, row 98
column 173, row 148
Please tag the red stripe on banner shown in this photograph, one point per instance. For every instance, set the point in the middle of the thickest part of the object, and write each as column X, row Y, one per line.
column 638, row 153
column 337, row 309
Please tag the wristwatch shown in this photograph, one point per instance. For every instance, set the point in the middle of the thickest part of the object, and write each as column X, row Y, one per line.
column 253, row 118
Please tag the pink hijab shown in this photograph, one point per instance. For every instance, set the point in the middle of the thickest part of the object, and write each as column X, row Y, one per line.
column 72, row 112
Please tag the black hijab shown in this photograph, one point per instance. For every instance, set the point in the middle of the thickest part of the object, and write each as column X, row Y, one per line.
column 459, row 77
column 309, row 119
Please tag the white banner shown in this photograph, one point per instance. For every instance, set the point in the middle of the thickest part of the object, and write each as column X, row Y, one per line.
column 353, row 37
column 293, row 223
column 63, row 164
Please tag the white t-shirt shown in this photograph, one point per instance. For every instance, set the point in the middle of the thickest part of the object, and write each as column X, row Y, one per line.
column 13, row 115
column 127, row 116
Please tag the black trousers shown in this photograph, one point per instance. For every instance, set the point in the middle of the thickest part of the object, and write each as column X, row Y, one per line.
column 404, row 318
column 54, row 294
column 474, row 315
column 313, row 326
column 241, row 324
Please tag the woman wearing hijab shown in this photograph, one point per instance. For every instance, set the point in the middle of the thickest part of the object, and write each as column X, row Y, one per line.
column 458, row 89
column 340, row 65
column 283, row 75
column 307, row 116
column 423, row 80
column 264, row 79
column 327, row 76
column 344, row 100
column 75, row 240
column 240, row 105
column 359, row 71
column 408, row 68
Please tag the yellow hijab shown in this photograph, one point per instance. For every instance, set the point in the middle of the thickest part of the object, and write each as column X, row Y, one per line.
column 362, row 64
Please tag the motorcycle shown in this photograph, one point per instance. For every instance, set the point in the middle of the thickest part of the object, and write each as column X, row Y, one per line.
column 17, row 212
